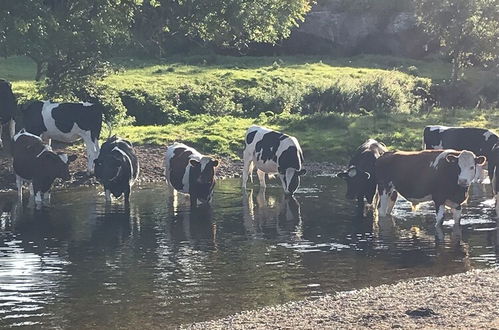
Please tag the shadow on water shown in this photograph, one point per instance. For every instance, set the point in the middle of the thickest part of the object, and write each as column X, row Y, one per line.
column 84, row 263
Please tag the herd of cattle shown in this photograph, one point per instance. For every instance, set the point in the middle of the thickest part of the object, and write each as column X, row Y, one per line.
column 453, row 159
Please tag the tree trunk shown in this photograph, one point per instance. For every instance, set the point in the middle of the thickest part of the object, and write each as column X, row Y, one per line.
column 39, row 67
column 456, row 65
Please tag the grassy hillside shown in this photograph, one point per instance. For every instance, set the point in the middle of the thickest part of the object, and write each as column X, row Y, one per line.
column 213, row 95
column 330, row 137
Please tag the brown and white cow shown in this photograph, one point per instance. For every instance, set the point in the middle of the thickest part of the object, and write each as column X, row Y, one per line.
column 190, row 172
column 36, row 163
column 443, row 176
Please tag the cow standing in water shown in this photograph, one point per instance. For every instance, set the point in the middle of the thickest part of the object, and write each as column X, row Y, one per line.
column 443, row 176
column 190, row 172
column 361, row 174
column 36, row 163
column 493, row 161
column 117, row 168
column 66, row 122
column 8, row 106
column 477, row 140
column 273, row 152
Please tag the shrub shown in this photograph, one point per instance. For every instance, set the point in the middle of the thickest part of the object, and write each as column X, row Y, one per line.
column 213, row 99
column 150, row 109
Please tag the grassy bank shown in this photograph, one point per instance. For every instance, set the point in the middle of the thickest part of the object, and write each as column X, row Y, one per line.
column 330, row 137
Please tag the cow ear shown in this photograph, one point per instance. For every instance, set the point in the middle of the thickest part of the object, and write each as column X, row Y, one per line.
column 302, row 172
column 215, row 163
column 342, row 175
column 194, row 162
column 480, row 160
column 72, row 158
column 450, row 158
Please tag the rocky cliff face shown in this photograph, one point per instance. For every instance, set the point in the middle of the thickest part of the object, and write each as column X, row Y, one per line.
column 326, row 30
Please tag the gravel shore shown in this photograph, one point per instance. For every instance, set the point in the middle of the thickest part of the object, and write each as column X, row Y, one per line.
column 463, row 301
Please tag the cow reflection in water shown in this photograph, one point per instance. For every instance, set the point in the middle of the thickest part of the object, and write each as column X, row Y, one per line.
column 274, row 215
column 194, row 225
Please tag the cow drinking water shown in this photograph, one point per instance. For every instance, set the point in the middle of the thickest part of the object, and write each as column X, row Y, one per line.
column 66, row 122
column 36, row 163
column 190, row 172
column 361, row 174
column 273, row 152
column 443, row 176
column 117, row 167
column 8, row 106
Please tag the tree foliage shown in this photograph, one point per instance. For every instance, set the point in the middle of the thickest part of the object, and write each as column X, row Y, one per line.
column 66, row 39
column 224, row 23
column 467, row 29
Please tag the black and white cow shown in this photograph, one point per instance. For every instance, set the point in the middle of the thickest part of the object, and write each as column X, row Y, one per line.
column 361, row 173
column 117, row 167
column 477, row 140
column 35, row 162
column 273, row 152
column 493, row 161
column 66, row 122
column 190, row 172
column 8, row 106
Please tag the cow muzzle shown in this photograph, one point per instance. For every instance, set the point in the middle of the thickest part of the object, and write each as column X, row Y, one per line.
column 463, row 183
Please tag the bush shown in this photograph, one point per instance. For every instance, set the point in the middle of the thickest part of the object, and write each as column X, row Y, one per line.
column 150, row 109
column 213, row 99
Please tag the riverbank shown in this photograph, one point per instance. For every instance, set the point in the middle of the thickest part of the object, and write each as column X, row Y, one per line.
column 468, row 300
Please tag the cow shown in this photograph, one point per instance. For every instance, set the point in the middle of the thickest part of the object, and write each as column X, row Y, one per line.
column 8, row 106
column 443, row 176
column 493, row 161
column 477, row 140
column 360, row 175
column 273, row 152
column 66, row 122
column 35, row 162
column 117, row 168
column 190, row 172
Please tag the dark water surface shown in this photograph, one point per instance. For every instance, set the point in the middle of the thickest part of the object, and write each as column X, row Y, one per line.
column 82, row 264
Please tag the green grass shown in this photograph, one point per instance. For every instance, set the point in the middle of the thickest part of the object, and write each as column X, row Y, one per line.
column 331, row 137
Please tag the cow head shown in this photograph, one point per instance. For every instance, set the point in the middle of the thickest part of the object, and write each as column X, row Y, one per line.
column 290, row 179
column 205, row 182
column 108, row 166
column 357, row 181
column 56, row 165
column 466, row 162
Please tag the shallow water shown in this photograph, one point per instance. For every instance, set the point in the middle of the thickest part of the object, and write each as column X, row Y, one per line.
column 80, row 263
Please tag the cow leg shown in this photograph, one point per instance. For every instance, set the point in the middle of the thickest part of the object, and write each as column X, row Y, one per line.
column 46, row 198
column 19, row 184
column 194, row 200
column 38, row 198
column 127, row 196
column 440, row 210
column 1, row 129
column 387, row 198
column 108, row 195
column 247, row 171
column 91, row 154
column 31, row 190
column 261, row 178
column 456, row 215
column 12, row 128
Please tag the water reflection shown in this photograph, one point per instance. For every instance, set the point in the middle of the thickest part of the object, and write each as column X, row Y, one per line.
column 273, row 214
column 158, row 262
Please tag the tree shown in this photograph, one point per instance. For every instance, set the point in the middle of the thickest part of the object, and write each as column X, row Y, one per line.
column 66, row 39
column 468, row 30
column 224, row 23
